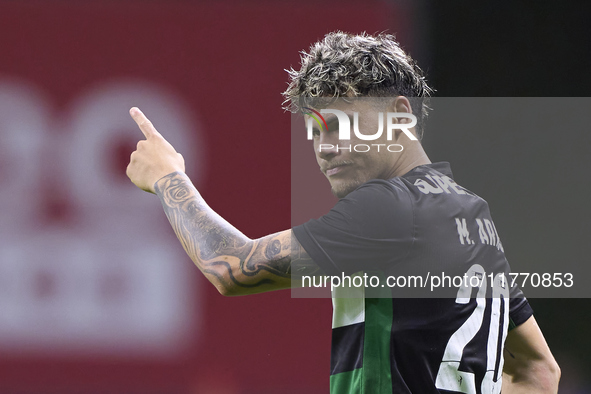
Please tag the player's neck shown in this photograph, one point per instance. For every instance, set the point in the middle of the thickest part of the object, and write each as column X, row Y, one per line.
column 412, row 157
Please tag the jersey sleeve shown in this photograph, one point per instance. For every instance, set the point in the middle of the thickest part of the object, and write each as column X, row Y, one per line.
column 519, row 308
column 368, row 229
column 519, row 312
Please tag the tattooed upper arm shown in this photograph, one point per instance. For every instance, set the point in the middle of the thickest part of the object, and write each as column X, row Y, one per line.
column 234, row 263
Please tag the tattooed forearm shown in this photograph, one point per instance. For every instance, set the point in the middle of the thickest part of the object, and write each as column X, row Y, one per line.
column 301, row 263
column 228, row 258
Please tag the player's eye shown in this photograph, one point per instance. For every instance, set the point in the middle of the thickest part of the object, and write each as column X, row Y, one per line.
column 315, row 133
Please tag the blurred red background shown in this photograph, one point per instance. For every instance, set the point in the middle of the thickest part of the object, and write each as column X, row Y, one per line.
column 209, row 75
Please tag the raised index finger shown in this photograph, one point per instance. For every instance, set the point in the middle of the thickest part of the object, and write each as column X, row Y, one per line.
column 144, row 123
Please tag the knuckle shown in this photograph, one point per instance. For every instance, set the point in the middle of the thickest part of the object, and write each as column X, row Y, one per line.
column 132, row 159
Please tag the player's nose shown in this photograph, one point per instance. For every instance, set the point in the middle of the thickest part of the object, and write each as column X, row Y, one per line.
column 327, row 151
column 327, row 145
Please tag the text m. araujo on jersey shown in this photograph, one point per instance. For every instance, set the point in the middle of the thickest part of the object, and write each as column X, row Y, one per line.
column 486, row 229
column 486, row 232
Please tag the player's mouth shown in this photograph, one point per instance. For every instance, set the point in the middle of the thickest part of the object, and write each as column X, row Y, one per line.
column 335, row 169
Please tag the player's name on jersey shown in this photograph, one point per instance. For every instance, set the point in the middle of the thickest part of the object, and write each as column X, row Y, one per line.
column 487, row 232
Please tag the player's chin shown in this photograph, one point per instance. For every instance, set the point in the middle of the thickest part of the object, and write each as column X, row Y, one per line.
column 341, row 188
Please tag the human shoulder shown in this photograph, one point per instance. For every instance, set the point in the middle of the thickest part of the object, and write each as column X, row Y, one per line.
column 375, row 209
column 366, row 228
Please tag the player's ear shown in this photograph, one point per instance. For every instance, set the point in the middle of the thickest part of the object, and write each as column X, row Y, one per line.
column 401, row 104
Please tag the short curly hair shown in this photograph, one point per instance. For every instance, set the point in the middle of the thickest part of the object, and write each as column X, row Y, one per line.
column 347, row 65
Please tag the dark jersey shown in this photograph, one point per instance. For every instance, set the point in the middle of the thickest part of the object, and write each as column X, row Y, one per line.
column 421, row 228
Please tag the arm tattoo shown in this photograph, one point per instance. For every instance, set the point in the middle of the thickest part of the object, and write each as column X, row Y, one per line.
column 225, row 256
column 301, row 262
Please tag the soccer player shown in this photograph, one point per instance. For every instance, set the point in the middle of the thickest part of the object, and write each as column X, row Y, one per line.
column 397, row 213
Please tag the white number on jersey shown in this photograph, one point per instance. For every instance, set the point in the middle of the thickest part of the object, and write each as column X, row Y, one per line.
column 449, row 377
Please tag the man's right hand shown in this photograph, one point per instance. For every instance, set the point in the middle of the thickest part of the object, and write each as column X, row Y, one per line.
column 154, row 158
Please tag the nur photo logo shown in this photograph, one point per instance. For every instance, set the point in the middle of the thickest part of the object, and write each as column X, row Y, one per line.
column 344, row 129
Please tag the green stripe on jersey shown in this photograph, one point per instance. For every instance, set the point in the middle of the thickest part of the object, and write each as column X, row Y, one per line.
column 375, row 376
column 347, row 382
column 377, row 373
